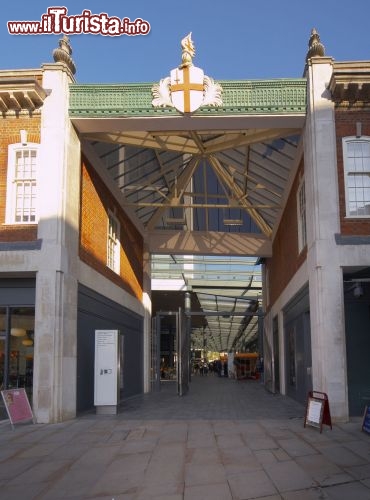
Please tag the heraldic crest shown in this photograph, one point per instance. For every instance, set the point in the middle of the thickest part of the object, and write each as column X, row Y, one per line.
column 187, row 88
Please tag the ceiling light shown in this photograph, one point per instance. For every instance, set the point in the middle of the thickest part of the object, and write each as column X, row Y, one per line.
column 233, row 222
column 27, row 342
column 18, row 332
column 175, row 221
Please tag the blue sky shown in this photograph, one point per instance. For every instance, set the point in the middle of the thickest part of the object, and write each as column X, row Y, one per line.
column 234, row 39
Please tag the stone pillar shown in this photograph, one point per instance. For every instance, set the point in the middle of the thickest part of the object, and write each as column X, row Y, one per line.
column 54, row 397
column 323, row 264
column 147, row 302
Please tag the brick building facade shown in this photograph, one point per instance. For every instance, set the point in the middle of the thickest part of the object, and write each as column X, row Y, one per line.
column 316, row 324
column 55, row 278
column 74, row 260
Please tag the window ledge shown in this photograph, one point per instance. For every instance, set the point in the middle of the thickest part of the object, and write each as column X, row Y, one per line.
column 357, row 217
column 19, row 224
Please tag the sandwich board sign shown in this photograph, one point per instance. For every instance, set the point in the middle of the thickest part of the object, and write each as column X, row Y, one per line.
column 17, row 405
column 317, row 410
column 366, row 420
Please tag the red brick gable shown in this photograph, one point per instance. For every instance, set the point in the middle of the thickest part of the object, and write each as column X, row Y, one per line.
column 96, row 201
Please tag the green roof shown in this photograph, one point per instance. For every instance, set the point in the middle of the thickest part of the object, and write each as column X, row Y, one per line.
column 279, row 96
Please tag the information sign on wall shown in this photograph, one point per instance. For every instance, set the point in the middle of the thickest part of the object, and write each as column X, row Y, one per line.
column 106, row 367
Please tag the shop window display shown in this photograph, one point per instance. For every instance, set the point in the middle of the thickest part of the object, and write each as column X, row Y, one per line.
column 16, row 350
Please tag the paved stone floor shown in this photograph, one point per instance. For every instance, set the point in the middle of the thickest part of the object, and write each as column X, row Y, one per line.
column 224, row 440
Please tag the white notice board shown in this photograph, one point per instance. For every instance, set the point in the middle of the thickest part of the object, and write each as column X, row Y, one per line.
column 106, row 367
column 314, row 412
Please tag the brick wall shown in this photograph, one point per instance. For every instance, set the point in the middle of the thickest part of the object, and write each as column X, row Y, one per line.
column 96, row 201
column 345, row 119
column 285, row 260
column 9, row 134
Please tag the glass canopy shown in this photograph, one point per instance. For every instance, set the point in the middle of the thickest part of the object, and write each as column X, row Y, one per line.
column 228, row 293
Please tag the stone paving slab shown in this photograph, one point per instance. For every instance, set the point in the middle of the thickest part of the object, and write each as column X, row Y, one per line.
column 288, row 476
column 208, row 492
column 255, row 484
column 354, row 490
column 323, row 471
column 218, row 442
column 307, row 494
column 341, row 455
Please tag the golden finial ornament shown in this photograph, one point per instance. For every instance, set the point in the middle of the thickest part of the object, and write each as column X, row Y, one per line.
column 188, row 52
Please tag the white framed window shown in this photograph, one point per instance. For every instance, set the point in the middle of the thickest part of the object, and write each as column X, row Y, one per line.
column 113, row 243
column 301, row 216
column 21, row 200
column 356, row 160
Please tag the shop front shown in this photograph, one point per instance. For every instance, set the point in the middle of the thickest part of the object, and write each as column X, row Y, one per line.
column 17, row 326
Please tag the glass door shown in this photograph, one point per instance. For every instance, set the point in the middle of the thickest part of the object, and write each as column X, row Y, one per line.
column 16, row 350
column 22, row 321
column 3, row 321
column 2, row 344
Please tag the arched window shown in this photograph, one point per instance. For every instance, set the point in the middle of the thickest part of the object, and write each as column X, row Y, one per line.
column 356, row 159
column 21, row 200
